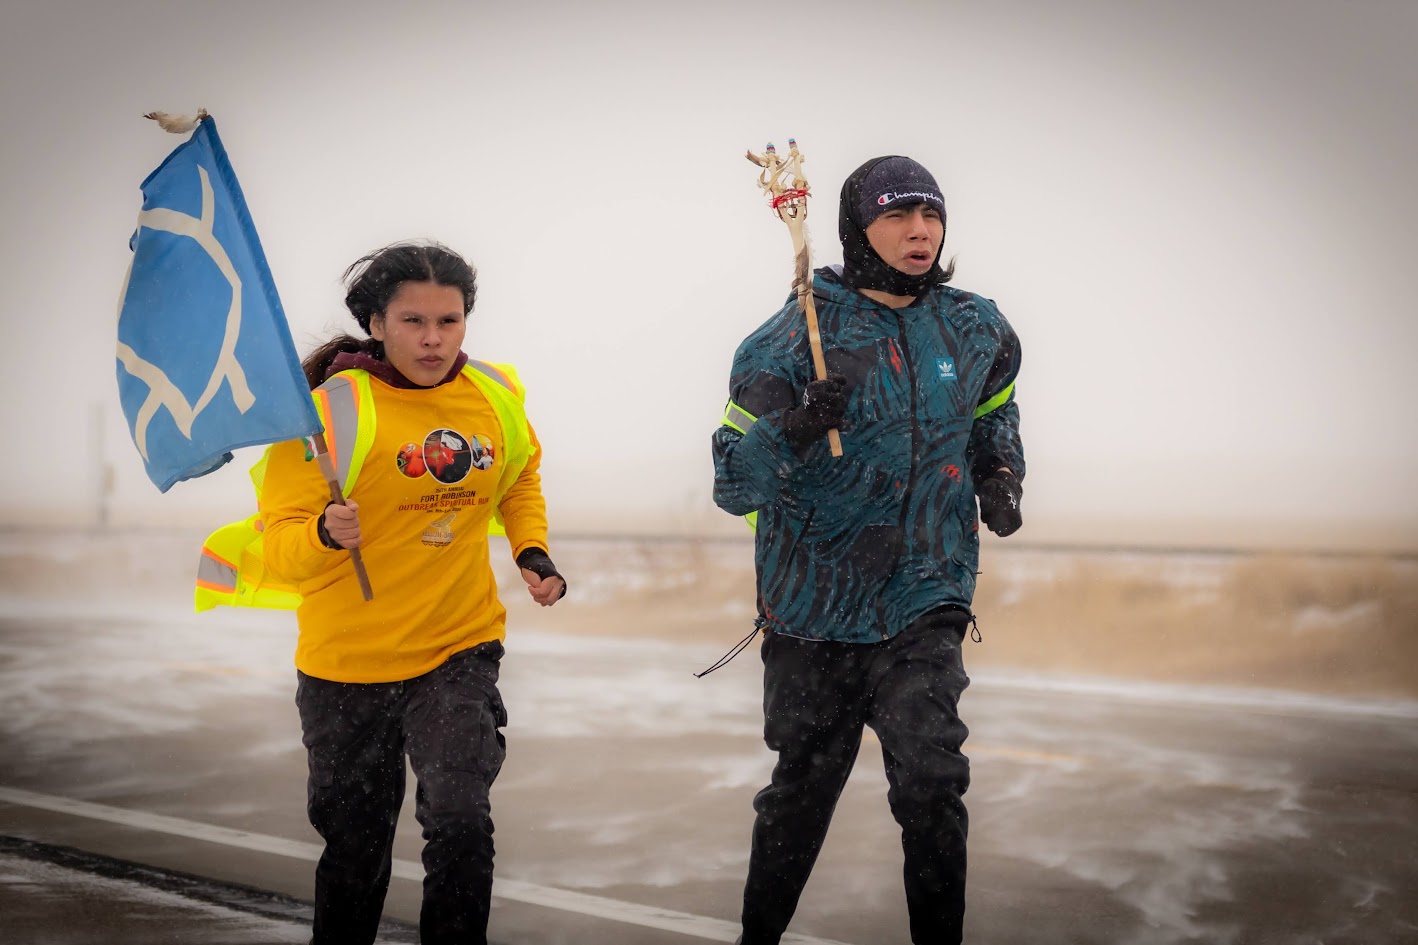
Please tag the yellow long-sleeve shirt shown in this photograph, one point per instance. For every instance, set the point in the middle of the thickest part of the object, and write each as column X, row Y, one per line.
column 426, row 495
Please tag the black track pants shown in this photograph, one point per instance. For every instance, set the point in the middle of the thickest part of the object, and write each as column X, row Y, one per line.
column 447, row 721
column 817, row 696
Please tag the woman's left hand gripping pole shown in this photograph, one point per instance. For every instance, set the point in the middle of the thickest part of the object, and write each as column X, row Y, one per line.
column 337, row 497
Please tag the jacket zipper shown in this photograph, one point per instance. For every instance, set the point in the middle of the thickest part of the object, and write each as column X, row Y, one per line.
column 915, row 437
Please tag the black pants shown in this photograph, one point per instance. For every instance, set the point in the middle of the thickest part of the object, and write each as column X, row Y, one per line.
column 357, row 734
column 817, row 696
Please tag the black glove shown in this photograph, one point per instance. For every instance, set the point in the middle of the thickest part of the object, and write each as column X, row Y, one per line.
column 999, row 502
column 324, row 534
column 539, row 563
column 824, row 402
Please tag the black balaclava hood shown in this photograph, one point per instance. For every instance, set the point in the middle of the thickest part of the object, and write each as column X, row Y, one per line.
column 867, row 193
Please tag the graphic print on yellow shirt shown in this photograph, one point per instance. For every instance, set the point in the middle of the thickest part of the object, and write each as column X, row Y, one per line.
column 427, row 494
column 446, row 457
column 441, row 531
column 452, row 473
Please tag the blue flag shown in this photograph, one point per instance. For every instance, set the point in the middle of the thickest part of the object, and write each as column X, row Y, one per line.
column 205, row 359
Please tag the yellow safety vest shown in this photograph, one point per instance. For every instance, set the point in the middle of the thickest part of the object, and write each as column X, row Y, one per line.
column 232, row 568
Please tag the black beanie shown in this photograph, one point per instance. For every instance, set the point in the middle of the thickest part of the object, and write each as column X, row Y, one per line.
column 867, row 193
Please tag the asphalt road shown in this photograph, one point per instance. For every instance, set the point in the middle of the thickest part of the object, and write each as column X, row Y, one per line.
column 1100, row 813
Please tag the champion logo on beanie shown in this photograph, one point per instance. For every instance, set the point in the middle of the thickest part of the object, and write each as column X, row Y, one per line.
column 895, row 181
column 890, row 198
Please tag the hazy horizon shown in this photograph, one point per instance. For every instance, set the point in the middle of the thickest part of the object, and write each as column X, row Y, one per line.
column 1198, row 219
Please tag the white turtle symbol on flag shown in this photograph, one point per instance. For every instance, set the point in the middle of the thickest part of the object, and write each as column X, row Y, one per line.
column 162, row 391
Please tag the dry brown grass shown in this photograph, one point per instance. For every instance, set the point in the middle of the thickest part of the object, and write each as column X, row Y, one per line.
column 1333, row 625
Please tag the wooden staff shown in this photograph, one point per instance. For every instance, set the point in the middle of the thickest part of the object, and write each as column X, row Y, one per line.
column 789, row 198
column 337, row 496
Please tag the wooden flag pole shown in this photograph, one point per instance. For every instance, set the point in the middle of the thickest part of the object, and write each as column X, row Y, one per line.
column 789, row 199
column 337, row 496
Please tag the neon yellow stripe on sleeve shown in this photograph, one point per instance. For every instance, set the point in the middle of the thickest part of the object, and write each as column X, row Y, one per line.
column 998, row 400
column 737, row 418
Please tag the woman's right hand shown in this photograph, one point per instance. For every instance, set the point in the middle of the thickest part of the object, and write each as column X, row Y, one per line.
column 342, row 524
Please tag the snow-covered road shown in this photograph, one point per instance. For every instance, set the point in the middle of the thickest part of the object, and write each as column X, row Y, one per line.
column 1101, row 812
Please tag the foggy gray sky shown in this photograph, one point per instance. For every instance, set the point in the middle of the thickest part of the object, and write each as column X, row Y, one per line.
column 1198, row 216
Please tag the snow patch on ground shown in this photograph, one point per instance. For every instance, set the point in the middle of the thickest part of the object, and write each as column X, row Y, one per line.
column 35, row 885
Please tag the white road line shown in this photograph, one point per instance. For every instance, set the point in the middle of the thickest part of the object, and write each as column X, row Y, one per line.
column 629, row 913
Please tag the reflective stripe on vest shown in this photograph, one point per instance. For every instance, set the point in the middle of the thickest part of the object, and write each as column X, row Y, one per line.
column 337, row 400
column 505, row 378
column 503, row 389
column 231, row 569
column 216, row 573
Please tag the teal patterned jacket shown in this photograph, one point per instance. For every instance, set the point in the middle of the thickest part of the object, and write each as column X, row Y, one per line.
column 856, row 548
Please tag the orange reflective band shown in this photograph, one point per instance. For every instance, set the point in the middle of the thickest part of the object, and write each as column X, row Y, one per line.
column 209, row 553
column 216, row 573
column 501, row 378
column 494, row 372
column 323, row 398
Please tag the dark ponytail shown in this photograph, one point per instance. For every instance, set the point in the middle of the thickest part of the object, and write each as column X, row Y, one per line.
column 372, row 281
column 317, row 363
